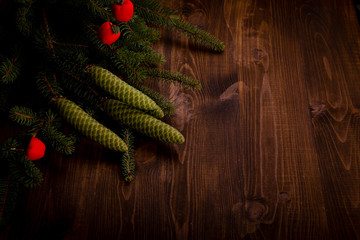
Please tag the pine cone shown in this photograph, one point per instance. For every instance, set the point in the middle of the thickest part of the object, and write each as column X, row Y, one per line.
column 88, row 126
column 119, row 89
column 142, row 122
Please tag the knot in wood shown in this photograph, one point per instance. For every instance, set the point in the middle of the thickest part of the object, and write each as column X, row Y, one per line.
column 284, row 196
column 257, row 54
column 317, row 108
column 255, row 210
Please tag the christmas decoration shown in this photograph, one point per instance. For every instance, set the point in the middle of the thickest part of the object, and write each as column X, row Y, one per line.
column 88, row 126
column 36, row 149
column 84, row 76
column 123, row 10
column 142, row 122
column 123, row 91
column 107, row 34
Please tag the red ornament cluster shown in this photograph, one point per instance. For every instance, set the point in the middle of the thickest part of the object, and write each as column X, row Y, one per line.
column 35, row 149
column 122, row 12
column 106, row 33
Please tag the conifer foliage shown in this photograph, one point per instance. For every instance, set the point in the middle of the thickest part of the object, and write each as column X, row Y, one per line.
column 69, row 65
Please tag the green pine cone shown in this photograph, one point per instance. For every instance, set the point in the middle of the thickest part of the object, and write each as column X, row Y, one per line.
column 122, row 91
column 142, row 122
column 88, row 126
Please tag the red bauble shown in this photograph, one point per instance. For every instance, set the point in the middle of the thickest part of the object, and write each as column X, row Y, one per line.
column 106, row 34
column 36, row 149
column 123, row 12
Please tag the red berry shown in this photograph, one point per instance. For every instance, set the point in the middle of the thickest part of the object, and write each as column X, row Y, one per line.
column 36, row 149
column 123, row 12
column 106, row 34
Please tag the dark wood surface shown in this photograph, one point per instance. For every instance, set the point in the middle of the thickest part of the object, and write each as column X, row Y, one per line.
column 272, row 139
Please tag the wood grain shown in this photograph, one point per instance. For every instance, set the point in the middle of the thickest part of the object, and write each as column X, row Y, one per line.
column 272, row 138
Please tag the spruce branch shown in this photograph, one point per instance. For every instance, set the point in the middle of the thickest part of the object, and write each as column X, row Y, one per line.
column 48, row 85
column 51, row 88
column 8, row 149
column 72, row 63
column 139, row 60
column 25, row 172
column 92, row 90
column 10, row 69
column 153, row 10
column 127, row 158
column 150, row 37
column 127, row 70
column 97, row 8
column 70, row 44
column 131, row 62
column 130, row 28
column 25, row 17
column 46, row 119
column 23, row 116
column 144, row 35
column 198, row 35
column 51, row 118
column 176, row 78
column 94, row 40
column 46, row 125
column 49, row 39
column 60, row 142
column 162, row 16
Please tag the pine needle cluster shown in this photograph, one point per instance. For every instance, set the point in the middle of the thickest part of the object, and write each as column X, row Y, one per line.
column 55, row 70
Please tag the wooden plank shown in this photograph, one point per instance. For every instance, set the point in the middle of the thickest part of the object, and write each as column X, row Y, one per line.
column 330, row 44
column 276, row 147
column 272, row 138
column 269, row 153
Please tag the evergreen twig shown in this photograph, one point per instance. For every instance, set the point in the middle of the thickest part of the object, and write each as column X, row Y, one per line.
column 127, row 158
column 10, row 69
column 23, row 115
column 176, row 78
column 25, row 172
column 153, row 12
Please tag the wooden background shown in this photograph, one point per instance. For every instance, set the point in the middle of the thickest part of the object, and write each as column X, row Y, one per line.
column 272, row 139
